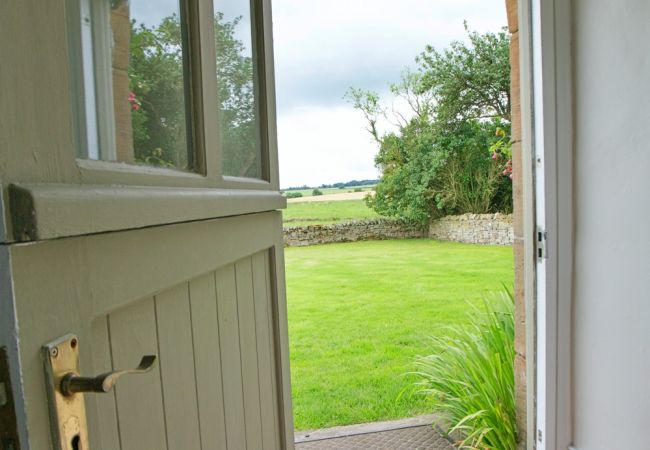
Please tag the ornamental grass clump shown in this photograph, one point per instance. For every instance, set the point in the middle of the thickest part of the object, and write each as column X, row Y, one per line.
column 470, row 377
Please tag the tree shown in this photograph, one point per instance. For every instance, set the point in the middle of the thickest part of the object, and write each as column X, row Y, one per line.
column 469, row 81
column 436, row 159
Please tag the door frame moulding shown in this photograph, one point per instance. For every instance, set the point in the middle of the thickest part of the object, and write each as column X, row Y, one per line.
column 548, row 41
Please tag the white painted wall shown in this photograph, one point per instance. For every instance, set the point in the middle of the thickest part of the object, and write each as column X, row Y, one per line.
column 611, row 381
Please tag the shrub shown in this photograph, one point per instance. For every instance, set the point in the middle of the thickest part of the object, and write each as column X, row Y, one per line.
column 433, row 161
column 316, row 192
column 358, row 190
column 293, row 194
column 470, row 377
column 470, row 181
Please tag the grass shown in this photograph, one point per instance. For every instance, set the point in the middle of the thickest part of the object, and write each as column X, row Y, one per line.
column 300, row 214
column 359, row 313
column 308, row 192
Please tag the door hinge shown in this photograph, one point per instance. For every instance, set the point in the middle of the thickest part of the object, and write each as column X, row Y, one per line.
column 540, row 241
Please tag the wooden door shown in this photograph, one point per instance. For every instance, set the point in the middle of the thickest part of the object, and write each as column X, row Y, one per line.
column 163, row 238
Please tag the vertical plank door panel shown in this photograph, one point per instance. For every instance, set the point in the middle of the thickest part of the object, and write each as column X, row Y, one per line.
column 230, row 358
column 177, row 368
column 248, row 346
column 103, row 430
column 140, row 409
column 265, row 353
column 207, row 360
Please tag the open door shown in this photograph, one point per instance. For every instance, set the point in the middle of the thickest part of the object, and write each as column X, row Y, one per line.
column 141, row 217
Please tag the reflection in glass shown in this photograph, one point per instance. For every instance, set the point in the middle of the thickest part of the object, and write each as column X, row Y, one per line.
column 148, row 79
column 238, row 94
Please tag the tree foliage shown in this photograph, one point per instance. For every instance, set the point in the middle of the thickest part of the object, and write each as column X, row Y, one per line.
column 469, row 81
column 156, row 76
column 159, row 91
column 435, row 159
column 238, row 125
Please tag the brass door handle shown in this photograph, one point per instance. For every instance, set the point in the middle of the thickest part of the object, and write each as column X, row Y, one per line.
column 72, row 383
column 65, row 390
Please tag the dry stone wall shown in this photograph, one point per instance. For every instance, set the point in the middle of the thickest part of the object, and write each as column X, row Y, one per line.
column 494, row 229
column 361, row 230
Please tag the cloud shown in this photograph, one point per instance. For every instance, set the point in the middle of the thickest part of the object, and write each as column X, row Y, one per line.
column 324, row 145
column 152, row 14
column 324, row 47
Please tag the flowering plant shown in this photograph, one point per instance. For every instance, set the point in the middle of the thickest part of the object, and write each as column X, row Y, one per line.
column 134, row 101
column 500, row 150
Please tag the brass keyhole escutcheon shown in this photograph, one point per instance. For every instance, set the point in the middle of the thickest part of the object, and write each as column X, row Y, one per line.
column 76, row 443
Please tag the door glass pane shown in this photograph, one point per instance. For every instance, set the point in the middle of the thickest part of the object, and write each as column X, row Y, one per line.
column 238, row 90
column 141, row 76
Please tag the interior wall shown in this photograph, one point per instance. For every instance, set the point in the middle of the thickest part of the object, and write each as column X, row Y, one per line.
column 611, row 325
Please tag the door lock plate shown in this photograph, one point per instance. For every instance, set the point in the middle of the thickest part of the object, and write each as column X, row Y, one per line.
column 67, row 412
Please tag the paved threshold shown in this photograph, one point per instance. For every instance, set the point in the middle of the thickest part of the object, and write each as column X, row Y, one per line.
column 408, row 434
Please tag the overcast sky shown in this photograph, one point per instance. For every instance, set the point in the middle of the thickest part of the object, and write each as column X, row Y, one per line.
column 322, row 47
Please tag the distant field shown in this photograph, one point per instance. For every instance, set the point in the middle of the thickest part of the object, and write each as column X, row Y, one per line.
column 308, row 192
column 320, row 213
column 339, row 196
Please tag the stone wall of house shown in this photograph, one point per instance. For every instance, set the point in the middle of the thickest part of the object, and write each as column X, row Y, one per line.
column 521, row 383
column 121, row 34
column 493, row 229
column 360, row 230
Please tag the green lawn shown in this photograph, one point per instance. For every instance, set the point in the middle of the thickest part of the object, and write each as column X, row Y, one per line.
column 308, row 192
column 311, row 213
column 359, row 312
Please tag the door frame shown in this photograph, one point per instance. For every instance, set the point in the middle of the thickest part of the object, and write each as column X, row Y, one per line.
column 547, row 145
column 8, row 333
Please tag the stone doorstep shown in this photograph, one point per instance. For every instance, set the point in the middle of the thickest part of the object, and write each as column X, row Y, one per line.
column 363, row 428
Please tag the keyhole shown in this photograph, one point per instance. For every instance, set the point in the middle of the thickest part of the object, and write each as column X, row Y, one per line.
column 76, row 443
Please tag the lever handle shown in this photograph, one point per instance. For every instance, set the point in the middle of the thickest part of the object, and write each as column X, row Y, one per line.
column 73, row 383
